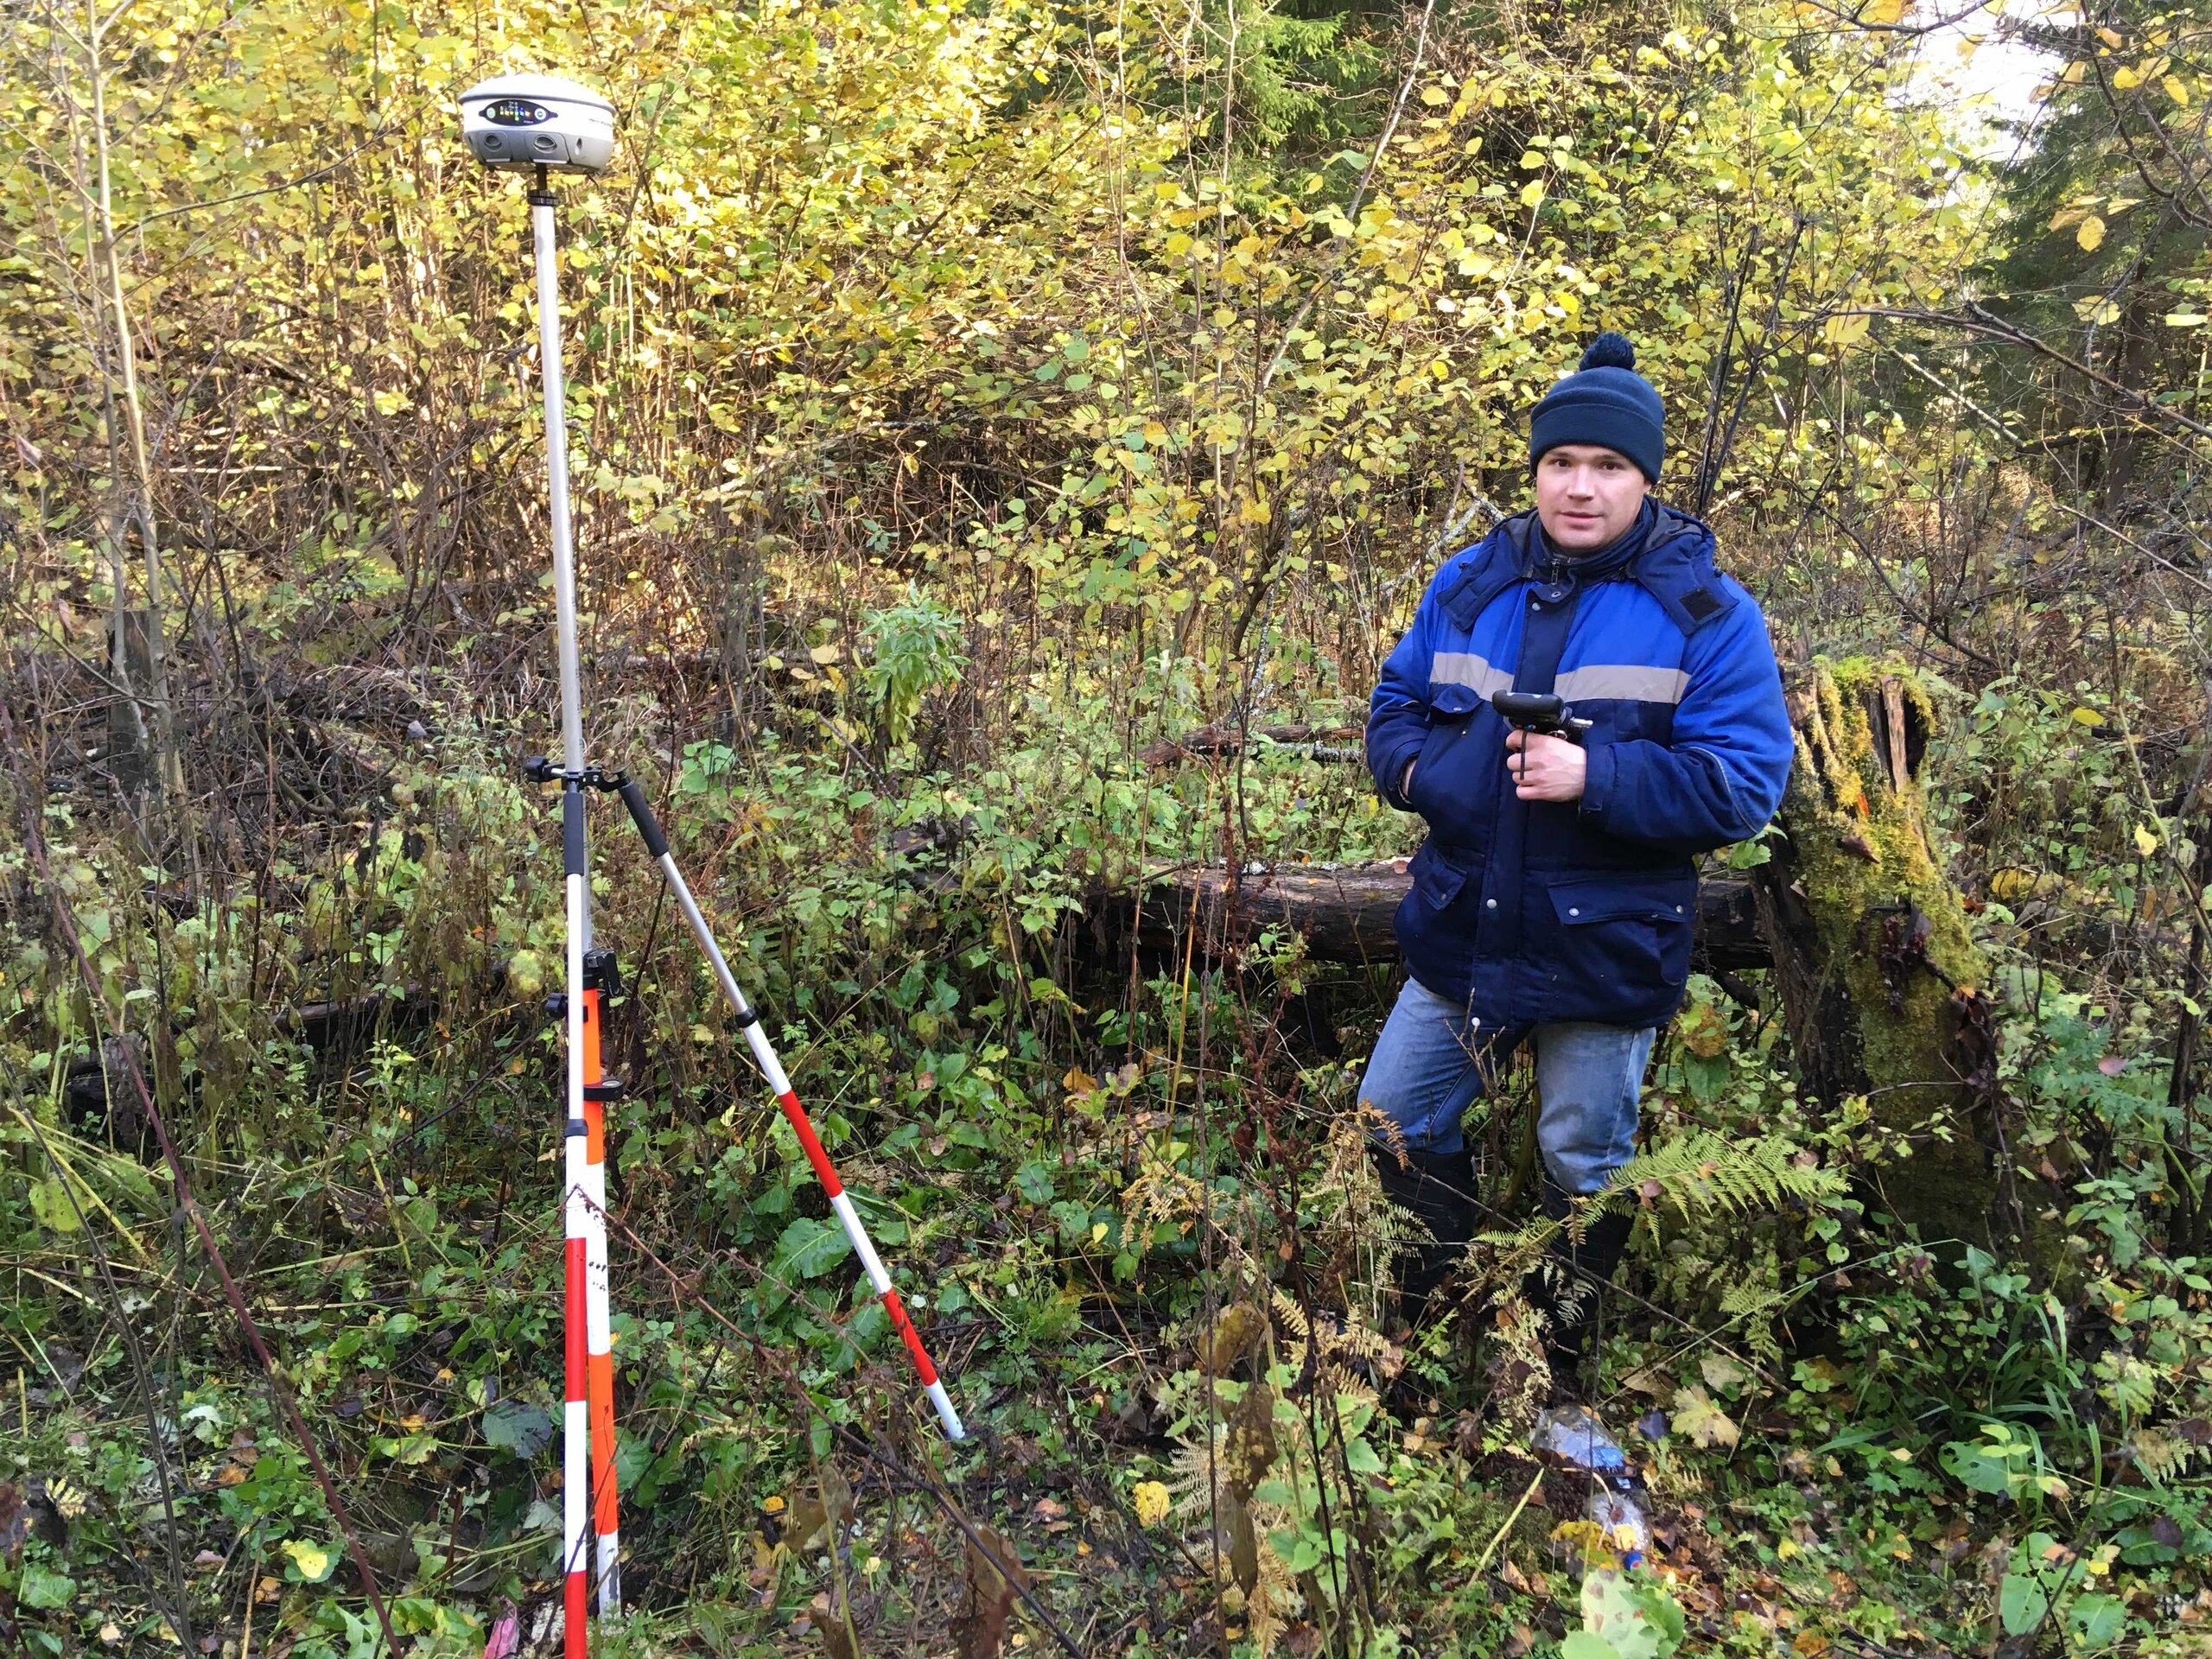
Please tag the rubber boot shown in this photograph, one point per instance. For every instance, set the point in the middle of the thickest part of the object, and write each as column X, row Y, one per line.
column 1436, row 1189
column 1567, row 1290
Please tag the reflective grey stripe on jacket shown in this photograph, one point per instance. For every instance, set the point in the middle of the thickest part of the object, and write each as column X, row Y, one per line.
column 1627, row 682
column 1623, row 682
column 1464, row 668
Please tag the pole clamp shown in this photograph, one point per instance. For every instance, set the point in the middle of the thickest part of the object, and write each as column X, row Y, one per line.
column 601, row 972
column 606, row 1089
column 540, row 769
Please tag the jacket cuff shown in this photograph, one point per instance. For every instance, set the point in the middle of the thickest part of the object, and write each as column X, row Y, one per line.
column 1394, row 768
column 1600, row 782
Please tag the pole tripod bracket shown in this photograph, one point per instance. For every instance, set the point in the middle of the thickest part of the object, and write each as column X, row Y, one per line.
column 540, row 769
column 601, row 972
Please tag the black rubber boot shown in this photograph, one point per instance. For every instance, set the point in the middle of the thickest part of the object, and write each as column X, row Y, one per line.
column 1565, row 1290
column 1436, row 1189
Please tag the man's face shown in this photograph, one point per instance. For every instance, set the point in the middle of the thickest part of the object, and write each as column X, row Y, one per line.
column 1586, row 496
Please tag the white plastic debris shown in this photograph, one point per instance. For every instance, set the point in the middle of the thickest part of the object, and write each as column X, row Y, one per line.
column 1620, row 1517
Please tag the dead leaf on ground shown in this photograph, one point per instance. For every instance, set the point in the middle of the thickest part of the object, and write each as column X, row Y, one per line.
column 1250, row 1451
column 1697, row 1416
column 979, row 1631
column 839, row 1640
column 1236, row 1333
column 1720, row 1371
column 814, row 1515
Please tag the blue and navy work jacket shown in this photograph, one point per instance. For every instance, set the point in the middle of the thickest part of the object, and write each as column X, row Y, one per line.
column 1535, row 911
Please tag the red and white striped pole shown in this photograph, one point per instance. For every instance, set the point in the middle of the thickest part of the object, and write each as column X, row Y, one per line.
column 576, row 1220
column 598, row 1331
column 764, row 1053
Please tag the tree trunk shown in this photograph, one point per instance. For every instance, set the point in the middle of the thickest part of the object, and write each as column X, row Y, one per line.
column 1879, row 973
column 128, row 759
column 152, row 690
column 745, row 557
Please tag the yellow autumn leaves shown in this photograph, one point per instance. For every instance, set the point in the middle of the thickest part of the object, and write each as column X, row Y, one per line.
column 1151, row 1501
column 2090, row 217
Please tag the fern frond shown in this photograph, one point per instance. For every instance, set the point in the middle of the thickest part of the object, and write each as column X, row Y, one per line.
column 2161, row 1455
column 1359, row 1341
column 1190, row 1477
column 1704, row 1171
column 1345, row 1385
column 1195, row 1485
column 1744, row 1304
column 1291, row 1315
column 1510, row 1254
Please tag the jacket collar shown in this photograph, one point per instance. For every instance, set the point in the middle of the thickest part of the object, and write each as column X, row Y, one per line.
column 1557, row 573
column 1663, row 543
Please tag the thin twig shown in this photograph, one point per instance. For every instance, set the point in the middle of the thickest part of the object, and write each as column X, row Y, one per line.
column 1490, row 1549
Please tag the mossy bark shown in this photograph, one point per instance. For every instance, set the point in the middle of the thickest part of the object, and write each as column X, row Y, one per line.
column 1878, row 972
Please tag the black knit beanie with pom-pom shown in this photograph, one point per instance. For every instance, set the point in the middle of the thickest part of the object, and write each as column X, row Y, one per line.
column 1606, row 403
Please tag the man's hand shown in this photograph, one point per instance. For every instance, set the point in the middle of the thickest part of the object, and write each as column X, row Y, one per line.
column 1544, row 767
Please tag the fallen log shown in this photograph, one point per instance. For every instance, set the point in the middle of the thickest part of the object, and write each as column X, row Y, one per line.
column 1309, row 742
column 1344, row 912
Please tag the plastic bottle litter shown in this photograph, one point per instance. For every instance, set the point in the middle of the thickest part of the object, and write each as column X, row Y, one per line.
column 1574, row 1434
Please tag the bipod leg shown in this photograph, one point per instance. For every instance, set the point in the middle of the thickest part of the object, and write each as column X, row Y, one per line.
column 764, row 1054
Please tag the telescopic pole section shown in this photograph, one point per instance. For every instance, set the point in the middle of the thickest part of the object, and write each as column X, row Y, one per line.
column 556, row 474
column 764, row 1053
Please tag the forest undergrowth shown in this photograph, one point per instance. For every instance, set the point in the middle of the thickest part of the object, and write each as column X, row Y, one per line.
column 1126, row 1188
column 971, row 405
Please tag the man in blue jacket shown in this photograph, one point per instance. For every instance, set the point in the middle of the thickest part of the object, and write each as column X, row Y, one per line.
column 1554, row 900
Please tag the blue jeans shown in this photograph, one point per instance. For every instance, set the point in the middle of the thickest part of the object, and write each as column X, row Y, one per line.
column 1428, row 1068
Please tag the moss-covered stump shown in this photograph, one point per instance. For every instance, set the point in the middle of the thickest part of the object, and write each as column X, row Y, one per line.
column 1879, row 975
